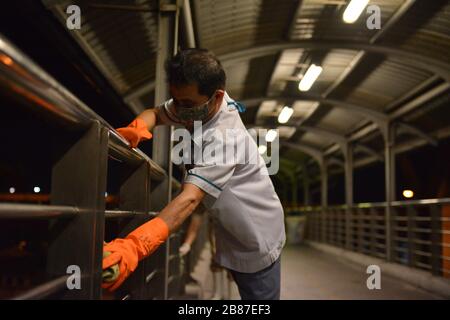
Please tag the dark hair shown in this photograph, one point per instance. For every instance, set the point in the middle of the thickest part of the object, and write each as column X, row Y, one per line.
column 196, row 66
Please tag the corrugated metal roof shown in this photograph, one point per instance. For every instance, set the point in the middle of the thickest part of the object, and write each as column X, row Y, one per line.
column 123, row 45
column 389, row 81
column 425, row 30
column 322, row 19
column 227, row 26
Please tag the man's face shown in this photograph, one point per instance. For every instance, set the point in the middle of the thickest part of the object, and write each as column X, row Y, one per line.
column 187, row 96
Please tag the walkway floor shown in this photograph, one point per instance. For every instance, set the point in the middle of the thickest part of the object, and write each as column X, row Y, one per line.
column 307, row 273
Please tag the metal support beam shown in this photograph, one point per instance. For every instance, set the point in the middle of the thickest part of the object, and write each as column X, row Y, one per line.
column 188, row 27
column 389, row 162
column 336, row 161
column 162, row 144
column 441, row 68
column 323, row 195
column 367, row 150
column 139, row 91
column 419, row 101
column 188, row 24
column 306, row 184
column 318, row 156
column 348, row 156
column 402, row 127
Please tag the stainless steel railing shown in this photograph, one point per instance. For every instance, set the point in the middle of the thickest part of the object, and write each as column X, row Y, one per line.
column 77, row 210
column 420, row 231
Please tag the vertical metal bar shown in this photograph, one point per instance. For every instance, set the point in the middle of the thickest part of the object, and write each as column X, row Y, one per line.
column 324, row 196
column 306, row 184
column 79, row 179
column 411, row 225
column 162, row 144
column 359, row 230
column 348, row 156
column 389, row 140
column 188, row 25
column 135, row 196
column 373, row 239
column 436, row 239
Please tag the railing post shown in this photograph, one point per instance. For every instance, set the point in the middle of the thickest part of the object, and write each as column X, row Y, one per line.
column 436, row 239
column 373, row 238
column 347, row 149
column 162, row 144
column 411, row 225
column 324, row 197
column 389, row 161
column 79, row 179
column 135, row 196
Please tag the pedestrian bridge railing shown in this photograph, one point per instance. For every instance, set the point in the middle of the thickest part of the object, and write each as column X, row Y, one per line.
column 75, row 223
column 417, row 234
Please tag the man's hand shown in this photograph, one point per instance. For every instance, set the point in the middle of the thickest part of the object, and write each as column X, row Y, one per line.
column 122, row 255
column 135, row 132
column 184, row 249
column 126, row 253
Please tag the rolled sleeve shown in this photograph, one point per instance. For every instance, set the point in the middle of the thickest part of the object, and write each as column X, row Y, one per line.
column 210, row 178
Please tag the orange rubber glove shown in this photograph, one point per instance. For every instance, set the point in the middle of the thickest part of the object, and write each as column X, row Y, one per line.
column 135, row 132
column 127, row 252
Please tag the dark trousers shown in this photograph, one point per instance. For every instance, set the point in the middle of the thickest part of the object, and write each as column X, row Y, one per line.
column 261, row 285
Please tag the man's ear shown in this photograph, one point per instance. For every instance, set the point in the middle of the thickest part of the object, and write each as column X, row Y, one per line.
column 219, row 96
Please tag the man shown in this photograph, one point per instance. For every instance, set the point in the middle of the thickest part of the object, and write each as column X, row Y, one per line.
column 238, row 194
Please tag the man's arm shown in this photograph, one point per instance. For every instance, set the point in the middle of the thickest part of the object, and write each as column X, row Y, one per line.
column 151, row 118
column 158, row 116
column 182, row 206
column 144, row 240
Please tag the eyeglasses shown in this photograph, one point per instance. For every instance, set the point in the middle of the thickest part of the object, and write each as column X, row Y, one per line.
column 177, row 105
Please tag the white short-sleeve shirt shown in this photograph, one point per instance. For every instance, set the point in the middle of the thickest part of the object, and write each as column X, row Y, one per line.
column 247, row 213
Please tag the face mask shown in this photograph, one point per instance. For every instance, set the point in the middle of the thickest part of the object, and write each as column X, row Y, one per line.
column 197, row 113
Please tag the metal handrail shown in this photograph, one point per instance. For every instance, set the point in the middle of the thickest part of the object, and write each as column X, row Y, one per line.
column 21, row 75
column 375, row 204
column 21, row 211
column 44, row 290
column 114, row 214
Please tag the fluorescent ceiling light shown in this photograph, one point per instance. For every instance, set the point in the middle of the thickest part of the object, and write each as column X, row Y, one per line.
column 310, row 77
column 354, row 10
column 262, row 149
column 271, row 135
column 285, row 114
